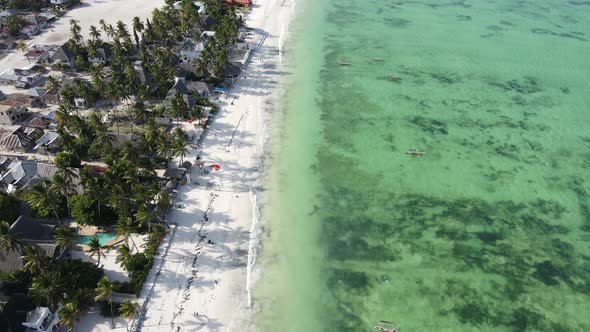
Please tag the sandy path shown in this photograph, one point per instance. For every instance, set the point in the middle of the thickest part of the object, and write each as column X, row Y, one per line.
column 202, row 286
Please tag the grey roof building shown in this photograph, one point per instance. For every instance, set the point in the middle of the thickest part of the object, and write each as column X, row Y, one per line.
column 184, row 87
column 32, row 231
column 20, row 138
column 25, row 173
column 47, row 140
column 103, row 54
column 63, row 55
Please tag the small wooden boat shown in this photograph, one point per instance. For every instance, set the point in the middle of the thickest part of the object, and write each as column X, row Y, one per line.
column 415, row 153
column 386, row 329
column 378, row 59
column 344, row 63
column 394, row 78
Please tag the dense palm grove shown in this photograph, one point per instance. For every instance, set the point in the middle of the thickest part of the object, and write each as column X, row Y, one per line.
column 123, row 192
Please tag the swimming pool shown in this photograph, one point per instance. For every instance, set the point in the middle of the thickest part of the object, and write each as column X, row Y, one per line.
column 103, row 238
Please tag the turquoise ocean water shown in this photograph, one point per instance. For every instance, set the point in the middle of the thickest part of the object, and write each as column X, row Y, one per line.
column 489, row 230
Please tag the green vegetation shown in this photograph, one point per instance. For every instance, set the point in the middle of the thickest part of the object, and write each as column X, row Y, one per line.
column 105, row 289
column 67, row 159
column 9, row 207
column 14, row 23
column 127, row 308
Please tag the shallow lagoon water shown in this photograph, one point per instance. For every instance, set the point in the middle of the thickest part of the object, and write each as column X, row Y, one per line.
column 490, row 229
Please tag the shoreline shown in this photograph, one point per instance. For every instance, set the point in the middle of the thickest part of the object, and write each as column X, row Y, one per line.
column 209, row 284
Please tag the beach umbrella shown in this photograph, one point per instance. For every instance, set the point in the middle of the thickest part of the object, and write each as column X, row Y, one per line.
column 187, row 164
column 215, row 167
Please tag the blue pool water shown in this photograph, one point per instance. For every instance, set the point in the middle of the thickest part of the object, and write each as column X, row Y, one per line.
column 103, row 238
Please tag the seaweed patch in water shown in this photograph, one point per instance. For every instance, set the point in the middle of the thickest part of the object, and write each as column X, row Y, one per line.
column 447, row 78
column 350, row 280
column 526, row 86
column 494, row 28
column 489, row 237
column 460, row 3
column 549, row 273
column 429, row 125
column 508, row 150
column 397, row 22
column 540, row 31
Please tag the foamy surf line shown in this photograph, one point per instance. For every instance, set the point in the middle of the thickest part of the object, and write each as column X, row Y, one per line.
column 253, row 271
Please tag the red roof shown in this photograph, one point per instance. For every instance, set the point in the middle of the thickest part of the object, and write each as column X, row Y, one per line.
column 243, row 3
column 35, row 53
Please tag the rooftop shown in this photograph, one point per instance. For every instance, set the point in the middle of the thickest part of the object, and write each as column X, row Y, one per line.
column 33, row 230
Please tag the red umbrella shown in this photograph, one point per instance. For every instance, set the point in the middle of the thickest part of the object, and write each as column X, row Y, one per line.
column 215, row 167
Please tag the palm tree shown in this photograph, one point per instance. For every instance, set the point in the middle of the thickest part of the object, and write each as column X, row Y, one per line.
column 62, row 115
column 94, row 248
column 75, row 30
column 66, row 140
column 98, row 77
column 125, row 227
column 72, row 311
column 9, row 242
column 94, row 33
column 164, row 148
column 53, row 83
column 122, row 32
column 48, row 288
column 105, row 140
column 66, row 97
column 64, row 238
column 69, row 314
column 164, row 201
column 178, row 107
column 110, row 31
column 140, row 112
column 104, row 26
column 63, row 185
column 144, row 216
column 105, row 289
column 137, row 28
column 180, row 149
column 219, row 63
column 128, row 308
column 35, row 259
column 22, row 47
column 41, row 196
column 123, row 255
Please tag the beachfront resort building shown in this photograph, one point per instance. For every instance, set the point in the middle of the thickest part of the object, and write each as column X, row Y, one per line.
column 32, row 231
column 190, row 49
column 41, row 319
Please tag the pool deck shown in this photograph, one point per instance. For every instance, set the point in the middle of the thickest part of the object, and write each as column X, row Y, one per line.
column 88, row 230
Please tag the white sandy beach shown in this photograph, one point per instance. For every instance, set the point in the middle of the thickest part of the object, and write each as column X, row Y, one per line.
column 203, row 286
column 88, row 13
